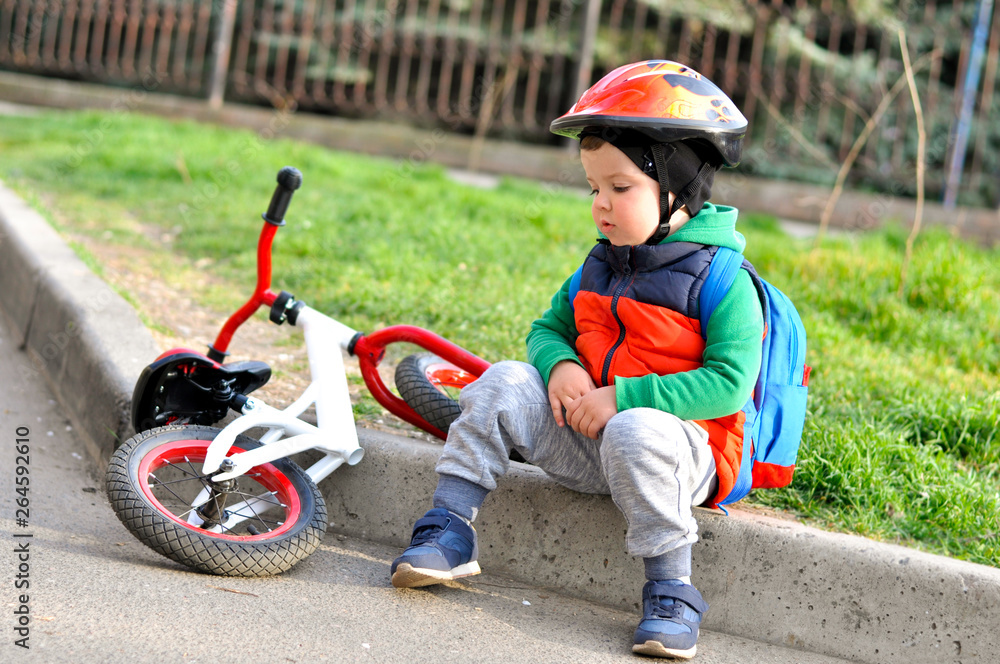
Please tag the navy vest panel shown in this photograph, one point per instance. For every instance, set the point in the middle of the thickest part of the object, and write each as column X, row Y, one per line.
column 666, row 275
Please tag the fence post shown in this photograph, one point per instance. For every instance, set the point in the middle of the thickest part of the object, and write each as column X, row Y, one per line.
column 585, row 68
column 220, row 49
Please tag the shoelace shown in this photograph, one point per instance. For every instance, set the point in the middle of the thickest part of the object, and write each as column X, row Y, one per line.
column 426, row 533
column 673, row 611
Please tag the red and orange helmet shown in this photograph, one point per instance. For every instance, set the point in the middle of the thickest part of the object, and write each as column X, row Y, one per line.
column 664, row 100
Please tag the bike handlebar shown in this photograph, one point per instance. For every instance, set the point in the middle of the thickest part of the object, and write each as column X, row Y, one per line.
column 289, row 179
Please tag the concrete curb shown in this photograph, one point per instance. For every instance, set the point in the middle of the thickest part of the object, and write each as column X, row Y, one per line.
column 767, row 580
column 83, row 337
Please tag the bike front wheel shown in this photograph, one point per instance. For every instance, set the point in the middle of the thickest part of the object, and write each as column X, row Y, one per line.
column 266, row 521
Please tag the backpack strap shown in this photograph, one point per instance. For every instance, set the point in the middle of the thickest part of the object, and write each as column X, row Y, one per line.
column 574, row 285
column 722, row 272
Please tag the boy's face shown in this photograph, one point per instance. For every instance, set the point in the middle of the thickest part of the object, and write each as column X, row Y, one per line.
column 626, row 205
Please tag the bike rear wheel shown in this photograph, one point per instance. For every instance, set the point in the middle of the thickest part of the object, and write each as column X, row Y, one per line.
column 272, row 517
column 430, row 386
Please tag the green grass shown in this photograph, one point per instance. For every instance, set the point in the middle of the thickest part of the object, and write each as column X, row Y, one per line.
column 901, row 442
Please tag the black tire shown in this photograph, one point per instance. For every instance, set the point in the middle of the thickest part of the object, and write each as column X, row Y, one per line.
column 422, row 384
column 154, row 512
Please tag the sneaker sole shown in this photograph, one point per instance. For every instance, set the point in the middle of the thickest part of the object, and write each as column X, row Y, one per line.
column 657, row 649
column 408, row 576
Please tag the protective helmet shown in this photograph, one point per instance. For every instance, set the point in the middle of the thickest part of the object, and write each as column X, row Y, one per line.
column 675, row 125
column 664, row 100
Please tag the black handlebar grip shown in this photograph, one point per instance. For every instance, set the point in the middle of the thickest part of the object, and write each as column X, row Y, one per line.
column 289, row 179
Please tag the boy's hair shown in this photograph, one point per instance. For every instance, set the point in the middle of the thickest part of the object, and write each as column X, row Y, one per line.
column 590, row 142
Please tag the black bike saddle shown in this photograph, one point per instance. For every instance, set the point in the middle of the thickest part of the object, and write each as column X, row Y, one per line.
column 186, row 387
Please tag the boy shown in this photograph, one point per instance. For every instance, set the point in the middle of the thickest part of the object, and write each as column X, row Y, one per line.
column 623, row 394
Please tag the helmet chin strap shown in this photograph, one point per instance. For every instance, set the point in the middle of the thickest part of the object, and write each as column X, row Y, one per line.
column 662, row 154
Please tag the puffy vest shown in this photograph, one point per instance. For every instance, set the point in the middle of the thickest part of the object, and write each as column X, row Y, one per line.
column 637, row 313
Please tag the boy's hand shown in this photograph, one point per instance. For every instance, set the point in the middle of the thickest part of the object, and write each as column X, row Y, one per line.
column 568, row 381
column 590, row 413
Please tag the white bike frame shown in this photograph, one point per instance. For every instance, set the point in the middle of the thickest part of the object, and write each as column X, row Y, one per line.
column 334, row 433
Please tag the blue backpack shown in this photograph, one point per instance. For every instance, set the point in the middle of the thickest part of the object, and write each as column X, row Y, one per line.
column 776, row 413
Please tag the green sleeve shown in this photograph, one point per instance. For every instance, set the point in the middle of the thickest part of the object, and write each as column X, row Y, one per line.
column 731, row 362
column 552, row 337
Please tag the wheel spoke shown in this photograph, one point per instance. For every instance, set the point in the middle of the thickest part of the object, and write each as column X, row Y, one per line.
column 250, row 505
column 197, row 474
column 218, row 508
column 186, row 512
column 183, row 479
column 164, row 485
column 260, row 498
column 250, row 502
column 181, row 469
column 262, row 520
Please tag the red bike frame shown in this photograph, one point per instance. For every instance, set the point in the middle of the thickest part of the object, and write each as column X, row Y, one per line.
column 369, row 349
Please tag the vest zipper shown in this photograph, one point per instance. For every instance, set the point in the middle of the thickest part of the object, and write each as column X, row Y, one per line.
column 621, row 288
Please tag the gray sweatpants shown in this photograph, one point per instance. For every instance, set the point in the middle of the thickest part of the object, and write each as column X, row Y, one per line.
column 654, row 465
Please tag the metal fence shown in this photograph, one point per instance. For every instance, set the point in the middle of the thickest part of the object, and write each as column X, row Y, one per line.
column 808, row 74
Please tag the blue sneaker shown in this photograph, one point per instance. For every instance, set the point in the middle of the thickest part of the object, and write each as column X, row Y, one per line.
column 443, row 548
column 671, row 613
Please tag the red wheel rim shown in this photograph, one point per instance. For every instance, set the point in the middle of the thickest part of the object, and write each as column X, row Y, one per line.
column 193, row 452
column 442, row 375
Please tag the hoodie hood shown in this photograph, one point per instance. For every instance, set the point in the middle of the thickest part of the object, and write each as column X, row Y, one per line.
column 714, row 225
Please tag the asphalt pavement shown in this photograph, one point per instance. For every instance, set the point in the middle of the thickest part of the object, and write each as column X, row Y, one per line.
column 92, row 593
